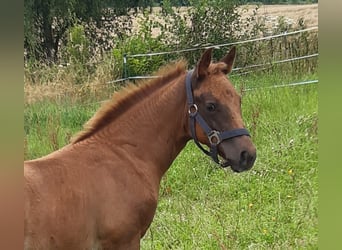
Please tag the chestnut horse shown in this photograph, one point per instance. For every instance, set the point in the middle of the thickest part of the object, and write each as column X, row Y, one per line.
column 101, row 190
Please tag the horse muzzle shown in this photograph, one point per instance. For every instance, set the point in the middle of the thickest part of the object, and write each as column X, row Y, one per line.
column 236, row 156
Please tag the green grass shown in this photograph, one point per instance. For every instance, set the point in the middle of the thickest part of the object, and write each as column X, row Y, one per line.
column 201, row 206
column 273, row 206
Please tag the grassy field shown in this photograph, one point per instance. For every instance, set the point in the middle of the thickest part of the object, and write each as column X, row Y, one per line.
column 201, row 206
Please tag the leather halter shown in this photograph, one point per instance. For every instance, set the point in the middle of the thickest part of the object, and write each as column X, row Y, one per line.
column 215, row 137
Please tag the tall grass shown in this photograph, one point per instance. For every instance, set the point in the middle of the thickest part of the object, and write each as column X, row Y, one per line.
column 273, row 206
column 201, row 206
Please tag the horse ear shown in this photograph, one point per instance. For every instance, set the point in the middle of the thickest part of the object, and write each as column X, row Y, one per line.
column 203, row 64
column 229, row 59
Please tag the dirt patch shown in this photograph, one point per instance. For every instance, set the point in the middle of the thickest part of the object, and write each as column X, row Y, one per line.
column 291, row 13
column 269, row 13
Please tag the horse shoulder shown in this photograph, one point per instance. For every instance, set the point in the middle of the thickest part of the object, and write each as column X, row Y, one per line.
column 128, row 207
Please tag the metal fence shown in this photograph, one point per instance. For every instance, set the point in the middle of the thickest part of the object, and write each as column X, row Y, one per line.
column 246, row 69
column 217, row 46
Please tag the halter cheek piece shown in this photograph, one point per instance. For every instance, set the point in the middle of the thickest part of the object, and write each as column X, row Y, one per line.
column 215, row 137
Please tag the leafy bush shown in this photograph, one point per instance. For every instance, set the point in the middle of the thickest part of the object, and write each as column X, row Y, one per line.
column 205, row 23
column 78, row 45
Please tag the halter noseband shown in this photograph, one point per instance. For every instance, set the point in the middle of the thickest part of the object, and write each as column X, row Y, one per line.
column 215, row 137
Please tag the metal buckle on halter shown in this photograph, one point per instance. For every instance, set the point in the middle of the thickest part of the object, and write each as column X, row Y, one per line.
column 214, row 137
column 193, row 109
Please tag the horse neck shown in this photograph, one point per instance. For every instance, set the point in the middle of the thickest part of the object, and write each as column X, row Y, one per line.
column 155, row 130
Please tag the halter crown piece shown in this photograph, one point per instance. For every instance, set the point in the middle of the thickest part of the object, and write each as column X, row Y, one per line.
column 215, row 137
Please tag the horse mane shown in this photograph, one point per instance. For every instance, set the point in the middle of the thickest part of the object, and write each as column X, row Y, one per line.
column 128, row 96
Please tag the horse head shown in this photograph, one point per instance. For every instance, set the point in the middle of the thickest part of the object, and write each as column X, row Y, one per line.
column 215, row 113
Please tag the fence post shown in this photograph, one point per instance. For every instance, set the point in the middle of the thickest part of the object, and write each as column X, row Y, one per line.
column 125, row 65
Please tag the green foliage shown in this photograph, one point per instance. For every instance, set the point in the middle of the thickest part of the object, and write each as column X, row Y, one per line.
column 145, row 65
column 205, row 23
column 45, row 22
column 78, row 45
column 209, row 23
column 140, row 43
column 78, row 53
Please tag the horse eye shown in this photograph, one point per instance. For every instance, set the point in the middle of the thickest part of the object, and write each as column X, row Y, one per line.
column 211, row 107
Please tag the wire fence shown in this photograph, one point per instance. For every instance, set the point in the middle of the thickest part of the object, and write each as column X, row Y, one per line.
column 217, row 46
column 274, row 86
column 225, row 44
column 235, row 69
column 251, row 68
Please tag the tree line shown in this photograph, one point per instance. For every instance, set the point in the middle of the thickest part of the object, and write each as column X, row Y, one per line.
column 47, row 22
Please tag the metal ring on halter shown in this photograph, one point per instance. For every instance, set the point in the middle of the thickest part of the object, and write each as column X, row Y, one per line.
column 193, row 109
column 214, row 137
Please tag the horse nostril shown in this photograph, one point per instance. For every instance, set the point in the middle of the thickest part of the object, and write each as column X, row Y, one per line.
column 243, row 158
column 247, row 159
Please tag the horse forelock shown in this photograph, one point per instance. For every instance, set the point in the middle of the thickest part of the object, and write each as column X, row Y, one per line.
column 219, row 67
column 128, row 96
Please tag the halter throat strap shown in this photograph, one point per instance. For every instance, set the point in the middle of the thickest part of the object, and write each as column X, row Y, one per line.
column 214, row 137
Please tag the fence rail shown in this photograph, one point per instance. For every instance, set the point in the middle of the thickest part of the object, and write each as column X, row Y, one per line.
column 235, row 69
column 223, row 44
column 308, row 82
column 284, row 34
